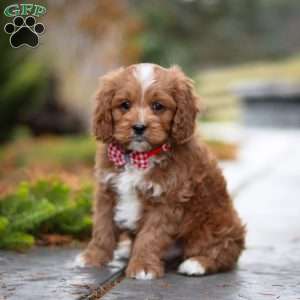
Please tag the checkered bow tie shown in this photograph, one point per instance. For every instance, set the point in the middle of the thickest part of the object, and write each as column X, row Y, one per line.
column 138, row 159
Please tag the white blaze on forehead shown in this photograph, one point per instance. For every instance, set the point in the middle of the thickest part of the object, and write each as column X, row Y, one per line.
column 144, row 73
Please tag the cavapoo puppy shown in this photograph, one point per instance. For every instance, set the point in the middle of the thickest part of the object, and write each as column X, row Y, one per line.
column 157, row 183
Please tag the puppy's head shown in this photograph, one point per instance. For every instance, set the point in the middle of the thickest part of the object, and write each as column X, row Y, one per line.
column 144, row 106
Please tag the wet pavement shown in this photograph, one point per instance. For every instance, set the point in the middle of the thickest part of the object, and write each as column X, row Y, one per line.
column 47, row 273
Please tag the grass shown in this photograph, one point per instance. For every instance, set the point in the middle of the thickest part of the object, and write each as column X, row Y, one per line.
column 68, row 158
column 66, row 151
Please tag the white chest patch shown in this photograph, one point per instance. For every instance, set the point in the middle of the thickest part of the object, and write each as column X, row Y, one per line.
column 128, row 208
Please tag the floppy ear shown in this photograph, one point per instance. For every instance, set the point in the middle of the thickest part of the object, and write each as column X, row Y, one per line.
column 187, row 106
column 102, row 117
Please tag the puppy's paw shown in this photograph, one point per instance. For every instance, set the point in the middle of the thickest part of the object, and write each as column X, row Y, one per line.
column 91, row 258
column 191, row 267
column 143, row 275
column 121, row 255
column 80, row 261
column 123, row 250
column 144, row 271
column 116, row 264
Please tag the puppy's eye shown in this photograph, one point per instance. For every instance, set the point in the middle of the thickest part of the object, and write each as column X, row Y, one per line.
column 125, row 105
column 157, row 106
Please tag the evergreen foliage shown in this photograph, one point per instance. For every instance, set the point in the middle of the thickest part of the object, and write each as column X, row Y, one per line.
column 47, row 206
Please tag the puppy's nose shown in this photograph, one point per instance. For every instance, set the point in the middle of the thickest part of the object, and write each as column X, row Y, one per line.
column 139, row 128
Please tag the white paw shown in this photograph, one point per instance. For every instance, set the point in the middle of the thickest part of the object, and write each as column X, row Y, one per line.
column 191, row 267
column 117, row 264
column 123, row 250
column 142, row 275
column 121, row 255
column 79, row 261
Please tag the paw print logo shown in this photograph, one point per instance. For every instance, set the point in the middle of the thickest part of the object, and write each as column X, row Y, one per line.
column 24, row 32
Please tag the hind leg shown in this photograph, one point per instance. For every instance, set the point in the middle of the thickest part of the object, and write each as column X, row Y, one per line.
column 211, row 255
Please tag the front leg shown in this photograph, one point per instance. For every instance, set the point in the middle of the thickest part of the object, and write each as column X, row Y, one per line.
column 157, row 234
column 100, row 249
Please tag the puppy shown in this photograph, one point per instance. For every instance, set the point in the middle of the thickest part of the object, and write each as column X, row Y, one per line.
column 157, row 183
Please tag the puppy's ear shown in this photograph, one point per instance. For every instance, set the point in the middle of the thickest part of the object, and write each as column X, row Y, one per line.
column 102, row 117
column 187, row 106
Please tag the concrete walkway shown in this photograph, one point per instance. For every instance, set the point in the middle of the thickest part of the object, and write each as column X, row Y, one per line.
column 265, row 183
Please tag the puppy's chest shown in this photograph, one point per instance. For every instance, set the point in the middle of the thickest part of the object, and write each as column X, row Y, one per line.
column 129, row 184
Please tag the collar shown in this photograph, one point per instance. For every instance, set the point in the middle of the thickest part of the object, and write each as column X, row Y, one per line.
column 140, row 160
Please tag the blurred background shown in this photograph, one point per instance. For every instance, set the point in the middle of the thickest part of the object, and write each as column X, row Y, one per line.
column 244, row 57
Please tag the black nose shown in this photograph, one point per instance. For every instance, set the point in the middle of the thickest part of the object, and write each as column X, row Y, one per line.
column 139, row 128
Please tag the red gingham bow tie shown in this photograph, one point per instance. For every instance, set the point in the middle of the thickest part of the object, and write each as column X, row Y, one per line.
column 139, row 159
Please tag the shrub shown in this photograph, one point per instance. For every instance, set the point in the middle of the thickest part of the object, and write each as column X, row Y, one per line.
column 46, row 206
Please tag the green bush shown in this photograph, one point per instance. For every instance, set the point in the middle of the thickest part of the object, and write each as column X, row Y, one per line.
column 47, row 206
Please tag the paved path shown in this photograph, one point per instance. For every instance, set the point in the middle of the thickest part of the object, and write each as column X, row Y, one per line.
column 47, row 273
column 265, row 182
